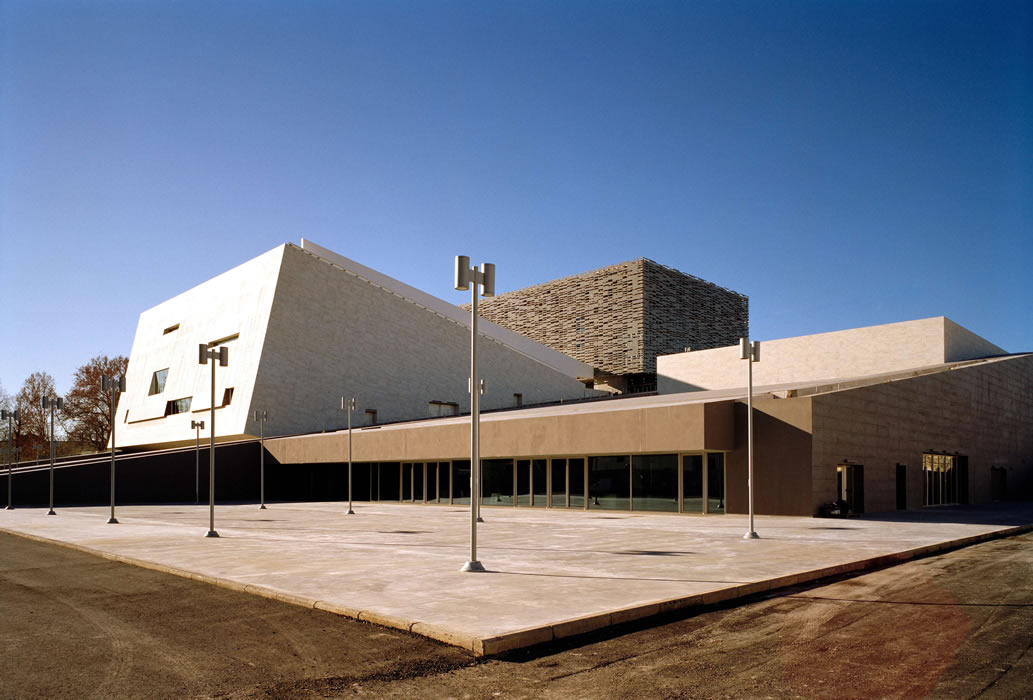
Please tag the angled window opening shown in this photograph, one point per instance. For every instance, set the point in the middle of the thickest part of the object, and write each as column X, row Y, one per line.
column 170, row 329
column 227, row 396
column 158, row 381
column 178, row 406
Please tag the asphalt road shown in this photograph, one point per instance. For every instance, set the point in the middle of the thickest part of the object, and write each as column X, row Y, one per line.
column 956, row 625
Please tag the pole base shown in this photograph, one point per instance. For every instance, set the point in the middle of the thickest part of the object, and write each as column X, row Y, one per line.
column 350, row 512
column 51, row 512
column 212, row 533
column 472, row 566
column 9, row 508
column 480, row 519
column 751, row 535
column 112, row 521
column 262, row 507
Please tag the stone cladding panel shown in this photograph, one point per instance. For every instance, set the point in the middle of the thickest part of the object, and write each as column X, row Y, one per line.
column 682, row 311
column 619, row 318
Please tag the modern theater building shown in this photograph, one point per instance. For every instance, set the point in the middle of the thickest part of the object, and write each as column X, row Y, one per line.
column 904, row 415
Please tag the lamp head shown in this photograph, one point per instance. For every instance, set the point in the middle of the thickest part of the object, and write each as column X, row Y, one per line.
column 462, row 272
column 488, row 279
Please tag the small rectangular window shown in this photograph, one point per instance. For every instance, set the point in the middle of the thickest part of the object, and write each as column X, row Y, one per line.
column 158, row 382
column 170, row 329
column 177, row 406
column 227, row 396
column 371, row 416
column 223, row 341
column 443, row 408
column 518, row 399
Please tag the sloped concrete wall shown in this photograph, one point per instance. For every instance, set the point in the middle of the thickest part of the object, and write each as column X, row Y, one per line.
column 331, row 334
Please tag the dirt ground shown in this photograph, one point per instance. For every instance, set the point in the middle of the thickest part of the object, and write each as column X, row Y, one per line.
column 955, row 626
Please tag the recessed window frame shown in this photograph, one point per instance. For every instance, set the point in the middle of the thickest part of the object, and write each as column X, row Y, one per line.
column 177, row 406
column 158, row 381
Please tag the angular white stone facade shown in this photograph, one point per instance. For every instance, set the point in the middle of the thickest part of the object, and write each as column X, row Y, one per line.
column 305, row 327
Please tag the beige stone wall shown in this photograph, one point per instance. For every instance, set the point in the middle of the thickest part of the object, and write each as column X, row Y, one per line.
column 984, row 411
column 826, row 356
column 619, row 318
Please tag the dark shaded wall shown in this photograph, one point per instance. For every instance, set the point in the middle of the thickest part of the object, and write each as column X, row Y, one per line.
column 166, row 477
column 781, row 459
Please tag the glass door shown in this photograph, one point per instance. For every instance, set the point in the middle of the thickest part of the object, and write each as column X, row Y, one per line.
column 539, row 483
column 497, row 482
column 715, row 482
column 692, row 484
column 576, row 478
column 559, row 483
column 523, row 482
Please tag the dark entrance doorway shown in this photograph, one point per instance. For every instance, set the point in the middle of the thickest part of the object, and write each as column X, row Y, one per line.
column 850, row 485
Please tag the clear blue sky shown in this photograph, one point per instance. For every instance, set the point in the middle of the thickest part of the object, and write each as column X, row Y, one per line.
column 842, row 163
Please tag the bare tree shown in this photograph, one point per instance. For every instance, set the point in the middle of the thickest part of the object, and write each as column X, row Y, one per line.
column 87, row 406
column 34, row 431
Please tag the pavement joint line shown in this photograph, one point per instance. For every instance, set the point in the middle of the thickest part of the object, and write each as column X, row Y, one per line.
column 533, row 636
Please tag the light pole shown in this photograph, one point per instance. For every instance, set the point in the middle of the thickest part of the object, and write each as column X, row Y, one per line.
column 58, row 404
column 197, row 425
column 222, row 354
column 114, row 386
column 485, row 278
column 750, row 352
column 11, row 417
column 261, row 417
column 349, row 405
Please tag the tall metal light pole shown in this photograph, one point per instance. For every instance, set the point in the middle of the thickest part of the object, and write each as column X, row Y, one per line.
column 467, row 277
column 751, row 352
column 349, row 405
column 222, row 354
column 114, row 386
column 11, row 417
column 261, row 417
column 197, row 425
column 58, row 404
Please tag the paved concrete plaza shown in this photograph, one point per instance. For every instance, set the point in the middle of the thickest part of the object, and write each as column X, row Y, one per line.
column 550, row 573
